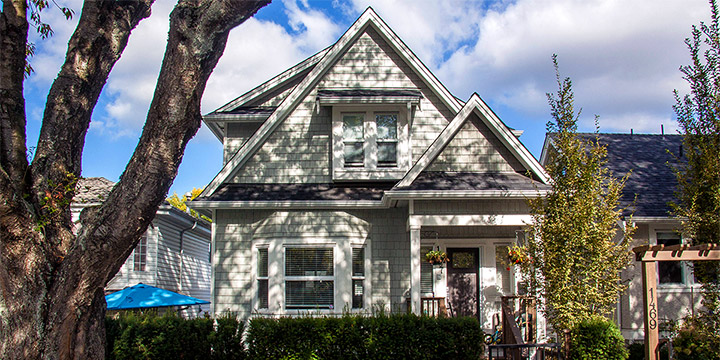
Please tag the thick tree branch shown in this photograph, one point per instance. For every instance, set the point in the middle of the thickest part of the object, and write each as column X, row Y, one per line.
column 94, row 48
column 197, row 38
column 13, row 40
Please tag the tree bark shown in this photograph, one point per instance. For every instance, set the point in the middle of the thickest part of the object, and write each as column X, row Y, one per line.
column 51, row 280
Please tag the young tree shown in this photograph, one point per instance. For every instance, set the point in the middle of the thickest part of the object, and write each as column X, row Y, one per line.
column 51, row 280
column 180, row 202
column 572, row 240
column 698, row 116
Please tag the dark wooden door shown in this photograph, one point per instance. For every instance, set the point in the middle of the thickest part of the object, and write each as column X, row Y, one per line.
column 462, row 272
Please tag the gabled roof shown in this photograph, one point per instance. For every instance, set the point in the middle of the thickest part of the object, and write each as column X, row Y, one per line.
column 368, row 19
column 236, row 106
column 477, row 106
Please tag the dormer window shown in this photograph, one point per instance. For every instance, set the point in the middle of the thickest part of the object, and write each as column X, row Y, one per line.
column 370, row 142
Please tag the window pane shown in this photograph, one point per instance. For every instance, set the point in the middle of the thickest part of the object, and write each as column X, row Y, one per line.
column 353, row 125
column 262, row 262
column 309, row 262
column 358, row 261
column 263, row 294
column 386, row 126
column 140, row 255
column 502, row 270
column 387, row 153
column 354, row 154
column 669, row 271
column 426, row 272
column 357, row 296
column 309, row 294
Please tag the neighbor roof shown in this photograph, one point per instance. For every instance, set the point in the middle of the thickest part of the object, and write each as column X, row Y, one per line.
column 652, row 158
column 92, row 190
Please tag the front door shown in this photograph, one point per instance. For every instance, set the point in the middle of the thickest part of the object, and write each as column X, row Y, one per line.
column 462, row 280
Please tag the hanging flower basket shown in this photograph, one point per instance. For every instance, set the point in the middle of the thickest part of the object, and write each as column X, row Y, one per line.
column 518, row 256
column 436, row 257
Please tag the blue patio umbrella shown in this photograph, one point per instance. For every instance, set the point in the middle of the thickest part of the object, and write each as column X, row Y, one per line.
column 143, row 296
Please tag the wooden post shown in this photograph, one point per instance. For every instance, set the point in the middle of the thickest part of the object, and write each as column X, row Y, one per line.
column 649, row 277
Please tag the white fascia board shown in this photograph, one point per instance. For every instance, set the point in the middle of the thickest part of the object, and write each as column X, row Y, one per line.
column 274, row 82
column 289, row 204
column 469, row 220
column 291, row 101
column 472, row 194
column 547, row 145
column 655, row 219
column 511, row 142
column 224, row 117
column 432, row 152
column 215, row 129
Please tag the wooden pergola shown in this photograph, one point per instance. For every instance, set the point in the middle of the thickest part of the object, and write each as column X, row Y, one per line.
column 649, row 255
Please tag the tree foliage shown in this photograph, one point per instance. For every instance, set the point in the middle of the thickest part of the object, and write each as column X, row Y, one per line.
column 180, row 202
column 577, row 257
column 698, row 116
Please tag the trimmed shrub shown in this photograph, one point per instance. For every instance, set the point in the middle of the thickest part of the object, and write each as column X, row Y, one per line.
column 149, row 336
column 597, row 338
column 361, row 337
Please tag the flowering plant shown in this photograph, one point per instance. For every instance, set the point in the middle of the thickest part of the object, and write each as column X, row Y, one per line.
column 517, row 256
column 436, row 257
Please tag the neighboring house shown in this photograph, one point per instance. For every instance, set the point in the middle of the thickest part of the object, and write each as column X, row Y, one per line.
column 341, row 172
column 174, row 253
column 650, row 187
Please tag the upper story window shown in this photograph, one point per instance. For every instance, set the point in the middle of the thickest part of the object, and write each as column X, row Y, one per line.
column 140, row 255
column 370, row 142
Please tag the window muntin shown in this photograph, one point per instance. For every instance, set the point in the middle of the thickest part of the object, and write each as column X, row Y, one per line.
column 387, row 139
column 358, row 278
column 669, row 272
column 140, row 255
column 262, row 278
column 354, row 140
column 309, row 278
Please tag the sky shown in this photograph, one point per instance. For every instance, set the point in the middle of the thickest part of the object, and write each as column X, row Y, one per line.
column 622, row 56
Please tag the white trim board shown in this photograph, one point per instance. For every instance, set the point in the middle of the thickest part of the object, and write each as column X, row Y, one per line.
column 477, row 106
column 368, row 18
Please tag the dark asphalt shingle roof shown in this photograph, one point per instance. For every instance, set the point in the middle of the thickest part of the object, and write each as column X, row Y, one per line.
column 285, row 192
column 464, row 181
column 651, row 159
column 250, row 110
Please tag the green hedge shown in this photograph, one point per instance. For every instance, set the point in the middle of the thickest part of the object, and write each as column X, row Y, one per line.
column 361, row 337
column 698, row 338
column 149, row 336
column 597, row 338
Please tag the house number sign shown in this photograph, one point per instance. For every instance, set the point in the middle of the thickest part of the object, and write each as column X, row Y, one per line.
column 652, row 313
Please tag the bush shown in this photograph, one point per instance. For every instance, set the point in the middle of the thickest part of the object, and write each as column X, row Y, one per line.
column 361, row 337
column 698, row 338
column 149, row 336
column 597, row 338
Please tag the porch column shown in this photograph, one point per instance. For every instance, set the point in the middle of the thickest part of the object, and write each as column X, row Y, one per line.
column 415, row 269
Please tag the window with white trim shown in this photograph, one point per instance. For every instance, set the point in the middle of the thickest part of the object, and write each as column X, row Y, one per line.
column 309, row 278
column 370, row 144
column 669, row 272
column 262, row 278
column 140, row 255
column 358, row 278
column 426, row 272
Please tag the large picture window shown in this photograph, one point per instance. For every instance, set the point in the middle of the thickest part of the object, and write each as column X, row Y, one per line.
column 309, row 278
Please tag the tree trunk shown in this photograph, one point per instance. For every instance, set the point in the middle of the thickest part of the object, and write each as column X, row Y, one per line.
column 51, row 280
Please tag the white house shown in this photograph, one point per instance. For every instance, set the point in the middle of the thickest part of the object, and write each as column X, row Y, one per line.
column 341, row 172
column 174, row 253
